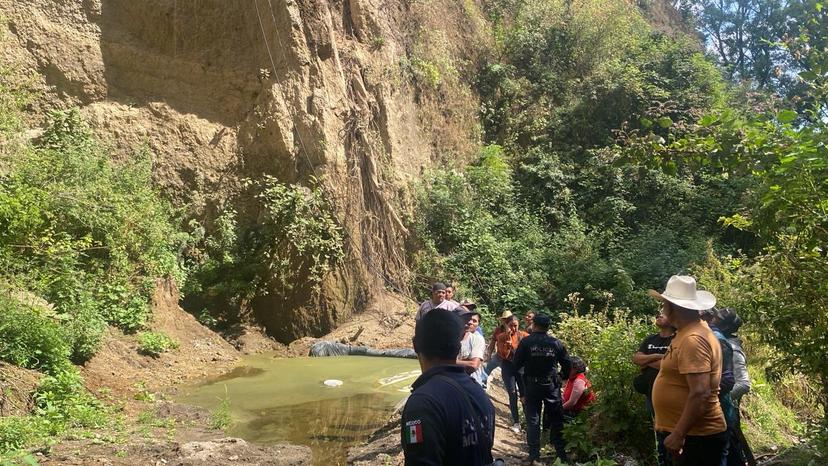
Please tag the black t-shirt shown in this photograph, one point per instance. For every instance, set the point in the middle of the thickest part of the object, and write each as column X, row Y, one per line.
column 653, row 344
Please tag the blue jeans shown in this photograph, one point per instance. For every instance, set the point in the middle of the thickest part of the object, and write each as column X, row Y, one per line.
column 514, row 387
column 492, row 364
column 548, row 396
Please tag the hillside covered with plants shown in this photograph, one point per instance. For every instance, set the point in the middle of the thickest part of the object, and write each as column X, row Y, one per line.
column 597, row 148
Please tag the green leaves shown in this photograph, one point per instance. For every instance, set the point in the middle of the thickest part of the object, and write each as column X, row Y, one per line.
column 786, row 116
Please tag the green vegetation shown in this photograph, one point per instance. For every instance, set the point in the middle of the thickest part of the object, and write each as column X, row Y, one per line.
column 62, row 405
column 614, row 155
column 618, row 417
column 155, row 343
column 87, row 236
column 618, row 156
column 291, row 237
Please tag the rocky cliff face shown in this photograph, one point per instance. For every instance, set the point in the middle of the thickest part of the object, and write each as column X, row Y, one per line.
column 344, row 91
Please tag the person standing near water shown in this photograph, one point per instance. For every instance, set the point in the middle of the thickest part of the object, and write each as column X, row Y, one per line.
column 472, row 346
column 448, row 419
column 437, row 301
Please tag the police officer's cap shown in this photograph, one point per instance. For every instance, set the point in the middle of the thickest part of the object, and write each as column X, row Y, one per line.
column 542, row 320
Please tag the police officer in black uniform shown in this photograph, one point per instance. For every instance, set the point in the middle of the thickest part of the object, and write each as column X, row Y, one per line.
column 539, row 355
column 448, row 419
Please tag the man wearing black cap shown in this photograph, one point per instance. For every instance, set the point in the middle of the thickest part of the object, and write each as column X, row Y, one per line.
column 437, row 301
column 448, row 419
column 539, row 355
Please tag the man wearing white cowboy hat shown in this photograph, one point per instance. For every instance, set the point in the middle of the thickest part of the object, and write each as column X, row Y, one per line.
column 685, row 395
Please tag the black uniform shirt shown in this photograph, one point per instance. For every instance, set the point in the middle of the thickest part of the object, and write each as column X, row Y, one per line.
column 539, row 354
column 437, row 427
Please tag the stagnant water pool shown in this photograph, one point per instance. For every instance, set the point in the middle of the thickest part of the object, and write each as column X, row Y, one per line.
column 277, row 399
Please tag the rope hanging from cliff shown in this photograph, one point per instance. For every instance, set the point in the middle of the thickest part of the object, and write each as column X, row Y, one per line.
column 369, row 264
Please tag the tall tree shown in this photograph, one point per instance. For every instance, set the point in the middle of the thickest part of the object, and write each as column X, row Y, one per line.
column 745, row 37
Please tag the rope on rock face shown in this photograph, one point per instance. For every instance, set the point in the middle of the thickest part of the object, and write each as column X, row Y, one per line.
column 325, row 191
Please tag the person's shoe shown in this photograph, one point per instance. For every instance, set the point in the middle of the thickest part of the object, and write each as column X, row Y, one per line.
column 515, row 428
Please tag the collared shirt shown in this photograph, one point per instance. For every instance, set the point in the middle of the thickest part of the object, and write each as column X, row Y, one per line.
column 473, row 346
column 437, row 427
column 540, row 354
column 428, row 305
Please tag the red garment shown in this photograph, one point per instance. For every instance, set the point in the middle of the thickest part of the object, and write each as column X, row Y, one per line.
column 587, row 396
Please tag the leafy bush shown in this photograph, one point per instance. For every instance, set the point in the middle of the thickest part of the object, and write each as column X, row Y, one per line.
column 155, row 343
column 481, row 235
column 62, row 403
column 618, row 420
column 62, row 400
column 294, row 239
column 29, row 338
column 18, row 431
column 88, row 236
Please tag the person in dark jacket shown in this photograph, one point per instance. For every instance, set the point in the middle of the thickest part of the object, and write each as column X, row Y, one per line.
column 739, row 452
column 539, row 355
column 448, row 419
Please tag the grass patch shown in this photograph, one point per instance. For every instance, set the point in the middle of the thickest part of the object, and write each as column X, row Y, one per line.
column 220, row 417
column 155, row 343
column 768, row 424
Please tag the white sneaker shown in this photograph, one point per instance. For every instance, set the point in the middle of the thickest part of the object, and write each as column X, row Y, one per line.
column 515, row 428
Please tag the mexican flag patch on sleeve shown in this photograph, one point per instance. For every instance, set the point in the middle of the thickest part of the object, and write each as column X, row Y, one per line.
column 414, row 431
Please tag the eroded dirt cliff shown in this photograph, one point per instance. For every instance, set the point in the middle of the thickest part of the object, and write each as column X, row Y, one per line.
column 356, row 93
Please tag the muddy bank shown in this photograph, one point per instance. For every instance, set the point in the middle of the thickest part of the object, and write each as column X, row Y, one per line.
column 171, row 434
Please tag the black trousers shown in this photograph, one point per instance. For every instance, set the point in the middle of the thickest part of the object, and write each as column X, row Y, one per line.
column 700, row 450
column 548, row 396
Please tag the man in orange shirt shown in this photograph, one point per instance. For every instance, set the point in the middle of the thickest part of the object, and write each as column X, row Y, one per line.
column 686, row 392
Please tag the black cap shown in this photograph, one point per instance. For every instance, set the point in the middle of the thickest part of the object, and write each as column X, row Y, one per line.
column 437, row 286
column 542, row 320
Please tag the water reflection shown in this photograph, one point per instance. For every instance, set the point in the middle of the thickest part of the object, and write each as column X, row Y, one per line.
column 284, row 400
column 329, row 427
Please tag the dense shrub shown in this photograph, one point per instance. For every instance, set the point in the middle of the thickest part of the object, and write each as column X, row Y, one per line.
column 618, row 420
column 475, row 231
column 63, row 401
column 61, row 404
column 89, row 236
column 291, row 237
column 29, row 337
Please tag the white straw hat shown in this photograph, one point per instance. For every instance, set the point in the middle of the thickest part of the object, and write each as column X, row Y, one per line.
column 681, row 291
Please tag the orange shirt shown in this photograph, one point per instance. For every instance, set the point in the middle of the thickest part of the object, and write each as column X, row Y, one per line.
column 508, row 343
column 694, row 350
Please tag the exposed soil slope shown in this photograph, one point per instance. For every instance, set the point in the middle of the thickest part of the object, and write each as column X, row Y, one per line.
column 332, row 90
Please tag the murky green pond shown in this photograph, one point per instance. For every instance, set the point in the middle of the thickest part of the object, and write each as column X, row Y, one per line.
column 276, row 399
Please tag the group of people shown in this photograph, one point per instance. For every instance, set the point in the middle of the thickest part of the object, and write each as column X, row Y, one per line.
column 449, row 419
column 693, row 374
